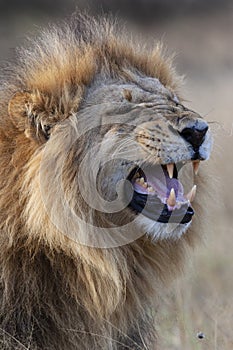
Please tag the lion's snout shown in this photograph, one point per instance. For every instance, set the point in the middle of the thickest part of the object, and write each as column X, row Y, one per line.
column 195, row 134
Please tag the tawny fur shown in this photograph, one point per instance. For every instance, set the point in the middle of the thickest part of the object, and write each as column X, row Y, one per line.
column 56, row 294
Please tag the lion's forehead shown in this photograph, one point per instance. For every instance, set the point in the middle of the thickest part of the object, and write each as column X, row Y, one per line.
column 142, row 89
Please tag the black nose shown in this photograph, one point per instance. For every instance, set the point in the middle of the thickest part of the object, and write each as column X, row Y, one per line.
column 195, row 135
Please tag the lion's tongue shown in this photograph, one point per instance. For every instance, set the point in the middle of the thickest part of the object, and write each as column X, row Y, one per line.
column 162, row 185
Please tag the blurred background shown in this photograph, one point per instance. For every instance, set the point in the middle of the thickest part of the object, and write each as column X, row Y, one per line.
column 201, row 34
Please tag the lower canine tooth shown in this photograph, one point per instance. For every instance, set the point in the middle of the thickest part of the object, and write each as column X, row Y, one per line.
column 171, row 201
column 150, row 189
column 141, row 180
column 191, row 195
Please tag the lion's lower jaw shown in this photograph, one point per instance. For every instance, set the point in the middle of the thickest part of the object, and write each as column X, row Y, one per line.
column 157, row 230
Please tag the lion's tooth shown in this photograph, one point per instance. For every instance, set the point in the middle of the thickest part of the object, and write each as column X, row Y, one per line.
column 141, row 180
column 145, row 184
column 171, row 201
column 191, row 195
column 150, row 189
column 137, row 180
column 196, row 164
column 170, row 170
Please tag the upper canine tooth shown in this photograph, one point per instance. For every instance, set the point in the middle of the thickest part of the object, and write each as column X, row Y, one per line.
column 196, row 164
column 170, row 170
column 191, row 195
column 171, row 201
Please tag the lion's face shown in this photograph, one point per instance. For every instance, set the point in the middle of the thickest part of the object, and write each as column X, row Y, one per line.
column 130, row 142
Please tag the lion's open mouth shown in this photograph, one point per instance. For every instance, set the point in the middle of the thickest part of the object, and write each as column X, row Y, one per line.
column 159, row 195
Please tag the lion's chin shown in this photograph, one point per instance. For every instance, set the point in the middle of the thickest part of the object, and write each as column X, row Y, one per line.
column 159, row 231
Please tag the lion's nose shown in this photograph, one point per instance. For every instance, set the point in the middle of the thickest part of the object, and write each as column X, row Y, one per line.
column 195, row 134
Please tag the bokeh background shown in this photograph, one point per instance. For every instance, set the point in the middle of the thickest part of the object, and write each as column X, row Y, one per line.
column 201, row 34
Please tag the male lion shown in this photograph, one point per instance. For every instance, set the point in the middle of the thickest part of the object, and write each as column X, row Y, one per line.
column 94, row 221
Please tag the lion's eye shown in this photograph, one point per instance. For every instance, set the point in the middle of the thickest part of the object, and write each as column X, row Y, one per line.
column 46, row 130
column 175, row 99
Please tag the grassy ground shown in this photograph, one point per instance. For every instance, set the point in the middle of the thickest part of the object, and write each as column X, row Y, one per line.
column 202, row 301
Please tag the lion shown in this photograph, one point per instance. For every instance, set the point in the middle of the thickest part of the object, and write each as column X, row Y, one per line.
column 95, row 221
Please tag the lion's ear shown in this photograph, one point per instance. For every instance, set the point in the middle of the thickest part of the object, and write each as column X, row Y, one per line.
column 33, row 114
column 36, row 113
column 19, row 109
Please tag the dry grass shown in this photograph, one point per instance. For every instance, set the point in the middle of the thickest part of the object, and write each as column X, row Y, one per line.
column 202, row 300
